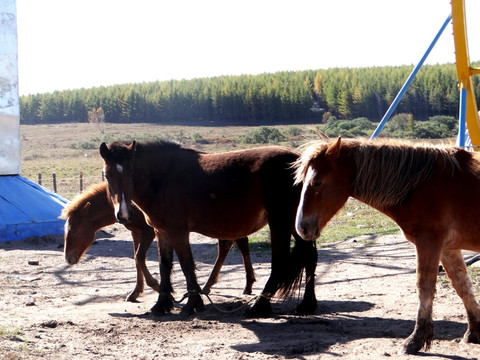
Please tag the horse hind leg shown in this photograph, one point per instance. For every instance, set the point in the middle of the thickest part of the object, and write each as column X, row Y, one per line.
column 139, row 284
column 305, row 255
column 280, row 245
column 242, row 245
column 223, row 248
column 456, row 270
column 141, row 257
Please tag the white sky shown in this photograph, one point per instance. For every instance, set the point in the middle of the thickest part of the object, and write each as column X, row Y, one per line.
column 68, row 44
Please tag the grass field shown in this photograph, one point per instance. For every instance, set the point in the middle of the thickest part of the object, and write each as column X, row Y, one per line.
column 70, row 149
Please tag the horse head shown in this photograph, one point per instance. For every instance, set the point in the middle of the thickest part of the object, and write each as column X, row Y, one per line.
column 326, row 187
column 118, row 170
column 79, row 234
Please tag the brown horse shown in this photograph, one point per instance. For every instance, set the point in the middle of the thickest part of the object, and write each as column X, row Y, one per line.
column 430, row 192
column 227, row 195
column 93, row 210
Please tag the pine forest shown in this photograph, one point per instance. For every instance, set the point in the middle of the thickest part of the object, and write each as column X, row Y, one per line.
column 268, row 99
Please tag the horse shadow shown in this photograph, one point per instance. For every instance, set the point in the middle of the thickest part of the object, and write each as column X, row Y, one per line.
column 315, row 335
column 299, row 337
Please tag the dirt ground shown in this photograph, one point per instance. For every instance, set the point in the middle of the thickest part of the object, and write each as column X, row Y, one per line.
column 366, row 306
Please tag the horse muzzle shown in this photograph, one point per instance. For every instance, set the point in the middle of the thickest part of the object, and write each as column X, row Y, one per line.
column 124, row 218
column 72, row 258
column 308, row 229
column 123, row 213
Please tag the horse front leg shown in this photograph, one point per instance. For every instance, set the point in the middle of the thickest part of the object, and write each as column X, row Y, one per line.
column 428, row 258
column 223, row 248
column 147, row 236
column 165, row 255
column 456, row 270
column 182, row 247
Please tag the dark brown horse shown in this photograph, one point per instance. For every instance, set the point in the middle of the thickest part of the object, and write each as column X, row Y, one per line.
column 430, row 192
column 93, row 210
column 227, row 195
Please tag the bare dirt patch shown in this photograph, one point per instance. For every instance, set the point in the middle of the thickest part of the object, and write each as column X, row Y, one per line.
column 366, row 306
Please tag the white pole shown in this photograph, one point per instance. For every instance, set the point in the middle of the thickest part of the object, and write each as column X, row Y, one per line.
column 10, row 158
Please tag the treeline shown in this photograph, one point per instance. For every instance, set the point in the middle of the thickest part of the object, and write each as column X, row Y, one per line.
column 279, row 98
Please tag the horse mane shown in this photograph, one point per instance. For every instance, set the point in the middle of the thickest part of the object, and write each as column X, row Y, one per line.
column 386, row 171
column 308, row 152
column 80, row 200
column 148, row 148
column 164, row 146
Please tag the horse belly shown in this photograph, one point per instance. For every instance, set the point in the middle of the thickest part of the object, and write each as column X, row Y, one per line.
column 230, row 225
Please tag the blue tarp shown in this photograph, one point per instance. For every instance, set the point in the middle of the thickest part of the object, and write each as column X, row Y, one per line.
column 28, row 209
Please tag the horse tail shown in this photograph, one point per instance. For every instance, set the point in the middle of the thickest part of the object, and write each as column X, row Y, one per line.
column 303, row 258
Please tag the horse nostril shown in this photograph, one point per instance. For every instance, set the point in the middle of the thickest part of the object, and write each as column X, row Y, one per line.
column 305, row 228
column 71, row 259
column 123, row 220
column 309, row 230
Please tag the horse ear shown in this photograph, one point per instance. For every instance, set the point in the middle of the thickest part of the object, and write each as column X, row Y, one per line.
column 104, row 152
column 131, row 148
column 333, row 151
column 85, row 208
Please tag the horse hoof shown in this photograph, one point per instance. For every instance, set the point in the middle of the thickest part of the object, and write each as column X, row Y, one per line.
column 132, row 297
column 307, row 307
column 186, row 313
column 262, row 308
column 472, row 337
column 163, row 306
column 247, row 291
column 193, row 305
column 206, row 290
column 412, row 345
column 158, row 311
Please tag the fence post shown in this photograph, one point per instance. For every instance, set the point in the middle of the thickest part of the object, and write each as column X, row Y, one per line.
column 54, row 177
column 39, row 179
column 81, row 181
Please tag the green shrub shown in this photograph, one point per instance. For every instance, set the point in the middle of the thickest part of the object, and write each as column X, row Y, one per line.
column 437, row 127
column 85, row 145
column 263, row 135
column 348, row 128
column 294, row 131
column 198, row 138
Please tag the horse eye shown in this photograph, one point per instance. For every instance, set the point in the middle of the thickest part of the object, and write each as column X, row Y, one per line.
column 316, row 183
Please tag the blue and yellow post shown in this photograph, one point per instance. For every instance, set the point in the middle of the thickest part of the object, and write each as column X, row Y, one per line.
column 468, row 112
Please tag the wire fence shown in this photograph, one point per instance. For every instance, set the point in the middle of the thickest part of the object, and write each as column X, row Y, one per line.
column 68, row 187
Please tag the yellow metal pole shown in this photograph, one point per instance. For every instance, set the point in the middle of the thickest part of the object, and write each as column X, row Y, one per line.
column 464, row 70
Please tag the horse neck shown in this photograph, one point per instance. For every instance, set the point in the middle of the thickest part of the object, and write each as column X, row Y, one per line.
column 150, row 170
column 383, row 177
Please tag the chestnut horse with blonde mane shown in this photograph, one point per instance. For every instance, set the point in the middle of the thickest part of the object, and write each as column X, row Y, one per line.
column 93, row 210
column 431, row 192
column 227, row 195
